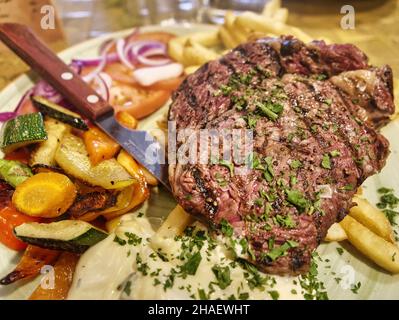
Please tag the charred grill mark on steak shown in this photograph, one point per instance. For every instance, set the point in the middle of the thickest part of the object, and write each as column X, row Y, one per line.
column 210, row 205
column 317, row 119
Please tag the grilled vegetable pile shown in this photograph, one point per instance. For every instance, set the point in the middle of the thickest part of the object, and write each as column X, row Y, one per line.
column 60, row 180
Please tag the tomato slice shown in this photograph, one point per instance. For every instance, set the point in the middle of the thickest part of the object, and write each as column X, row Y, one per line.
column 137, row 101
column 169, row 84
column 119, row 72
column 9, row 219
column 26, row 107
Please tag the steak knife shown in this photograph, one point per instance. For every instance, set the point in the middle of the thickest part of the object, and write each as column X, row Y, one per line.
column 140, row 144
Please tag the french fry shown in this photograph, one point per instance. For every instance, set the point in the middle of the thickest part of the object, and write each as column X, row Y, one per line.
column 191, row 69
column 382, row 252
column 269, row 25
column 372, row 218
column 176, row 48
column 336, row 233
column 229, row 19
column 207, row 39
column 259, row 23
column 237, row 33
column 197, row 54
column 175, row 223
column 227, row 39
column 281, row 15
column 271, row 8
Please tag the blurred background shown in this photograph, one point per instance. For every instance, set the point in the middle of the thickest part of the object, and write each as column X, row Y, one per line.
column 376, row 30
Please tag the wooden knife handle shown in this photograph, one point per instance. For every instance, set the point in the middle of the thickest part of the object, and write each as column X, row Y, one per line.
column 20, row 39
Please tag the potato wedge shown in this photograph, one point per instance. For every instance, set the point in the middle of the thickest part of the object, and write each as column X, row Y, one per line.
column 382, row 252
column 372, row 218
column 336, row 233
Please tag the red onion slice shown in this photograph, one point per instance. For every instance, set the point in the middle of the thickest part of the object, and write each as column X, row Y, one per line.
column 90, row 76
column 120, row 49
column 102, row 83
column 94, row 62
column 150, row 75
column 5, row 116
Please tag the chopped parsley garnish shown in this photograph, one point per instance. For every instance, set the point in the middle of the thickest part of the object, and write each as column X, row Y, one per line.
column 243, row 296
column 320, row 77
column 228, row 165
column 133, row 239
column 119, row 241
column 141, row 266
column 222, row 275
column 296, row 198
column 326, row 162
column 313, row 289
column 270, row 110
column 355, row 287
column 253, row 276
column 251, row 121
column 127, row 289
column 285, row 222
column 335, row 153
column 280, row 251
column 268, row 172
column 348, row 187
column 191, row 266
column 275, row 295
column 295, row 164
column 388, row 204
column 340, row 251
column 226, row 228
column 258, row 202
column 202, row 294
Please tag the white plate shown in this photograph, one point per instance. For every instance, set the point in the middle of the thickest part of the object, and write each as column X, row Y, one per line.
column 350, row 267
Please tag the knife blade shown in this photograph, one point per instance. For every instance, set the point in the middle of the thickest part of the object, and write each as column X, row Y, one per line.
column 140, row 144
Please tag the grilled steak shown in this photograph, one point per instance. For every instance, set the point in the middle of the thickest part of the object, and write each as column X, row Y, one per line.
column 314, row 110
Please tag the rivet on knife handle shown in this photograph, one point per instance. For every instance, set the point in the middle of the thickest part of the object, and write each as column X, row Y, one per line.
column 29, row 48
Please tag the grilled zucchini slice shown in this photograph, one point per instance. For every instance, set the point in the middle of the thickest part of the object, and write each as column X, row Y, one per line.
column 57, row 112
column 21, row 131
column 14, row 172
column 44, row 154
column 67, row 235
column 72, row 157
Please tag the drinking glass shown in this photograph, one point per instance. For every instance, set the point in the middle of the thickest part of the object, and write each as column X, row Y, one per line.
column 215, row 9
